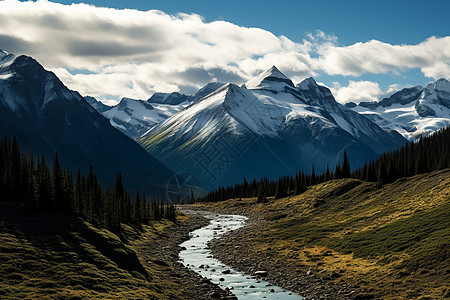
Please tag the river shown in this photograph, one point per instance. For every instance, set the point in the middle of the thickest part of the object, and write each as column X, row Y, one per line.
column 197, row 256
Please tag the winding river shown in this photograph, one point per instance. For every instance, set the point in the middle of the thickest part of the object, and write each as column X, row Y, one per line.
column 197, row 256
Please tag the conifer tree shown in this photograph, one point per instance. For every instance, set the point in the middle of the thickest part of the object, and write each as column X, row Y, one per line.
column 30, row 199
column 313, row 176
column 192, row 198
column 346, row 166
column 43, row 185
column 261, row 194
column 327, row 174
column 58, row 201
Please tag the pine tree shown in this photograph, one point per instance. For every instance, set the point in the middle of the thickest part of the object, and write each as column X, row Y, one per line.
column 30, row 199
column 313, row 176
column 327, row 174
column 261, row 197
column 346, row 166
column 58, row 201
column 192, row 198
column 78, row 195
column 280, row 189
column 43, row 185
column 14, row 172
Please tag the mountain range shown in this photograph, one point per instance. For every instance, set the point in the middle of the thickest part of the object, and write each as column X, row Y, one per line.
column 413, row 112
column 266, row 126
column 134, row 117
column 47, row 117
column 271, row 126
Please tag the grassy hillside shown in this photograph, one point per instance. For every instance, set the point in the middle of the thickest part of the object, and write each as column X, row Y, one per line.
column 393, row 240
column 49, row 256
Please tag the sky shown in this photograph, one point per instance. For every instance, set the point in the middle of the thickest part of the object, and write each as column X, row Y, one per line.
column 109, row 49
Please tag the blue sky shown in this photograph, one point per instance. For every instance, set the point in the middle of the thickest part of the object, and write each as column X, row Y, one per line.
column 394, row 21
column 350, row 46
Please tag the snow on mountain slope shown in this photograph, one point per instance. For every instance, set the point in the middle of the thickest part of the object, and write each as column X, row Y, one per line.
column 206, row 90
column 6, row 59
column 272, row 79
column 169, row 98
column 135, row 117
column 278, row 127
column 15, row 71
column 413, row 111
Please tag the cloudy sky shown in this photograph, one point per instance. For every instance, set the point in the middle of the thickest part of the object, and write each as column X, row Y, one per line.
column 361, row 51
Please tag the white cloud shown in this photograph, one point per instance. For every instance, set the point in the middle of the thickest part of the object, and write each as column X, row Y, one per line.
column 432, row 57
column 135, row 53
column 131, row 52
column 357, row 91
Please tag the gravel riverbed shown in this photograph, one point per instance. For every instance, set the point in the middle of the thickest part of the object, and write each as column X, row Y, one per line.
column 233, row 250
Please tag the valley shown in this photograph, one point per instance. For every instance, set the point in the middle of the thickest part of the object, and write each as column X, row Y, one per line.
column 347, row 239
column 342, row 239
column 220, row 180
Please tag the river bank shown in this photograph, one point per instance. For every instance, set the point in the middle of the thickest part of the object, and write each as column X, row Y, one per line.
column 234, row 250
column 347, row 239
column 197, row 256
column 160, row 251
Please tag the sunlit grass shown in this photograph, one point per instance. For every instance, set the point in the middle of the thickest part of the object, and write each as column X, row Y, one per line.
column 394, row 238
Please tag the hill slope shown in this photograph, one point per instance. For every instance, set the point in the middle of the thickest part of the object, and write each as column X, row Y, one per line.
column 389, row 242
column 47, row 117
column 50, row 256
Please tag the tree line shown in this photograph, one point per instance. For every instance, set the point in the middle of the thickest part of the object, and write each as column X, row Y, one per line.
column 428, row 154
column 28, row 180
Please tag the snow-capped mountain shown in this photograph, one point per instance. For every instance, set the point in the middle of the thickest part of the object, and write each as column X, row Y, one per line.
column 98, row 105
column 47, row 117
column 206, row 90
column 268, row 126
column 174, row 98
column 135, row 117
column 412, row 111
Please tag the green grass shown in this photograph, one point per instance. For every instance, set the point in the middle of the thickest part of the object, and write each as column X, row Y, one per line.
column 417, row 234
column 393, row 238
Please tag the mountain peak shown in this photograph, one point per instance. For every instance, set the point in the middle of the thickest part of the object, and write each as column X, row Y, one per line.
column 440, row 85
column 274, row 72
column 126, row 99
column 307, row 83
column 6, row 58
column 96, row 104
column 174, row 98
column 206, row 90
column 271, row 79
column 130, row 103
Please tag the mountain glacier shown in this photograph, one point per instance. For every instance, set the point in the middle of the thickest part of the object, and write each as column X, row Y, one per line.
column 135, row 117
column 412, row 112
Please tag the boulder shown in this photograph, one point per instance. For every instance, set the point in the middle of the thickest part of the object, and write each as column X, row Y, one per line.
column 214, row 295
column 261, row 273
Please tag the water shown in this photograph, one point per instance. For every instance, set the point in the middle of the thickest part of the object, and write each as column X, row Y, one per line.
column 197, row 257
